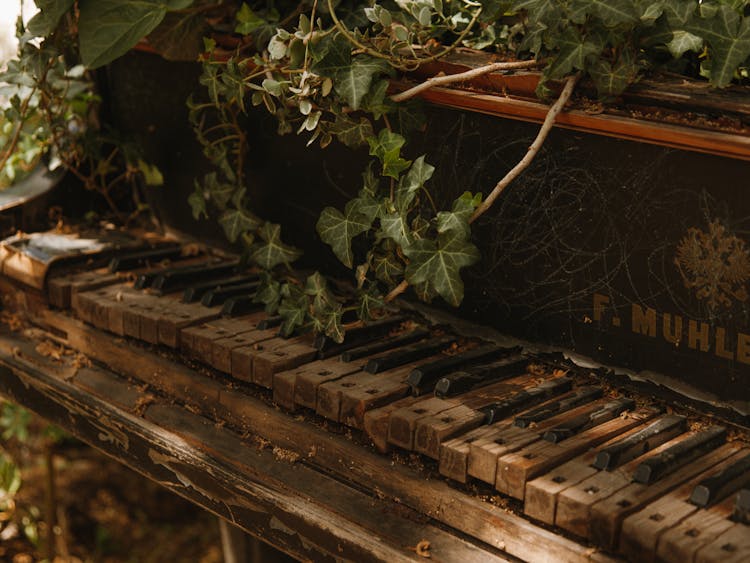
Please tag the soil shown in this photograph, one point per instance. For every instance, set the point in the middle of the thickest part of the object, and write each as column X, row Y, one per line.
column 105, row 512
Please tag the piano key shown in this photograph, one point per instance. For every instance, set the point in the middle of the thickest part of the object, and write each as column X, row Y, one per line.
column 403, row 423
column 270, row 322
column 741, row 511
column 680, row 454
column 409, row 354
column 383, row 345
column 177, row 279
column 351, row 396
column 588, row 420
column 422, row 379
column 719, row 485
column 454, row 453
column 731, row 546
column 574, row 504
column 145, row 279
column 195, row 292
column 220, row 295
column 580, row 396
column 243, row 305
column 234, row 354
column 61, row 289
column 516, row 469
column 656, row 523
column 525, row 399
column 327, row 348
column 478, row 376
column 198, row 341
column 280, row 354
column 298, row 387
column 654, row 434
column 542, row 493
column 608, row 514
column 133, row 260
column 431, row 431
column 484, row 452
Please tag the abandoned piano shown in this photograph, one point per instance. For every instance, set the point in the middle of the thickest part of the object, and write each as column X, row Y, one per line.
column 424, row 434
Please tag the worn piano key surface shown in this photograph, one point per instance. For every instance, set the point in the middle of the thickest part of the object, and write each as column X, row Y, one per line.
column 631, row 480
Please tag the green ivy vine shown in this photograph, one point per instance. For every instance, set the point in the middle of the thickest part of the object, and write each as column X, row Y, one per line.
column 324, row 68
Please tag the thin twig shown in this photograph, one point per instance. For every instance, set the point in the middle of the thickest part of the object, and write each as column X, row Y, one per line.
column 460, row 77
column 552, row 114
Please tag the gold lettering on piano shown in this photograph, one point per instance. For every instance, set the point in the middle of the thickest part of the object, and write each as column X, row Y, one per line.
column 721, row 350
column 672, row 336
column 644, row 322
column 674, row 329
column 698, row 340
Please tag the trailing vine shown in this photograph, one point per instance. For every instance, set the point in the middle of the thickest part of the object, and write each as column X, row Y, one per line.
column 324, row 68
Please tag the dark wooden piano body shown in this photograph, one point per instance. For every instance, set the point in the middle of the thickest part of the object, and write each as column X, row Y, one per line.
column 330, row 461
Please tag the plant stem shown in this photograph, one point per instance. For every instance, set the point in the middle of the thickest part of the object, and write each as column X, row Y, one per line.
column 460, row 77
column 17, row 133
column 552, row 114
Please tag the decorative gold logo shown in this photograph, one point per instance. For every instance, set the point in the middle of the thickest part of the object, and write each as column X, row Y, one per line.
column 715, row 264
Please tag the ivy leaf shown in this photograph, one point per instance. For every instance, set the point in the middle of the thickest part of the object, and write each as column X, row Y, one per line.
column 388, row 268
column 376, row 101
column 293, row 308
column 332, row 324
column 197, row 201
column 179, row 37
column 457, row 220
column 679, row 13
column 412, row 182
column 353, row 82
column 683, row 41
column 337, row 230
column 544, row 11
column 366, row 205
column 353, row 133
column 108, row 29
column 574, row 49
column 369, row 301
column 437, row 264
column 268, row 293
column 219, row 193
column 273, row 251
column 611, row 12
column 395, row 227
column 247, row 20
column 236, row 221
column 728, row 37
column 317, row 288
column 387, row 148
column 331, row 55
column 50, row 12
column 612, row 79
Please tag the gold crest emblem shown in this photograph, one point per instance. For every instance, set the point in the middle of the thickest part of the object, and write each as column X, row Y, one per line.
column 715, row 264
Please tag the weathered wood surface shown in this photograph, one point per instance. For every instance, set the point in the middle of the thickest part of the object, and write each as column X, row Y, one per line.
column 333, row 454
column 300, row 510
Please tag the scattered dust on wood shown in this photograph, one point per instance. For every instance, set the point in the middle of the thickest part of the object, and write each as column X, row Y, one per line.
column 142, row 404
column 422, row 549
column 282, row 454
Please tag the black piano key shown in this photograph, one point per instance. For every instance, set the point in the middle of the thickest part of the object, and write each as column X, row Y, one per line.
column 422, row 379
column 385, row 345
column 132, row 260
column 146, row 279
column 597, row 416
column 218, row 296
column 195, row 292
column 525, row 399
column 270, row 322
column 242, row 305
column 635, row 445
column 579, row 397
column 654, row 468
column 478, row 376
column 327, row 347
column 408, row 354
column 176, row 279
column 742, row 507
column 720, row 485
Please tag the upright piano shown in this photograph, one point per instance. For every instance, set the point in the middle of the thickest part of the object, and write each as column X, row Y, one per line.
column 589, row 401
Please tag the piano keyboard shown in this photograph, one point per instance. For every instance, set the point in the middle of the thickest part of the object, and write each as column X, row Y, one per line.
column 621, row 474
